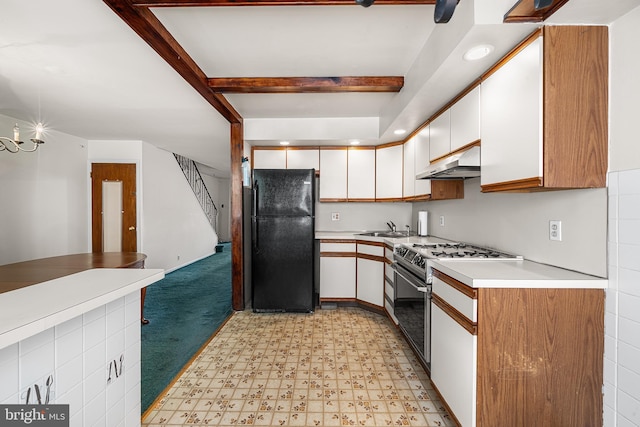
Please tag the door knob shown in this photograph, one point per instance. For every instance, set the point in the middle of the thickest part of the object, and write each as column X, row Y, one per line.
column 132, row 228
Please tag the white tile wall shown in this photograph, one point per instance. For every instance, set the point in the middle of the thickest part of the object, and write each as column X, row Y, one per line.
column 622, row 316
column 9, row 374
column 76, row 354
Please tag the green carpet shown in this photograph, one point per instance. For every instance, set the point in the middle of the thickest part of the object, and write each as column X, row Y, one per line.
column 184, row 309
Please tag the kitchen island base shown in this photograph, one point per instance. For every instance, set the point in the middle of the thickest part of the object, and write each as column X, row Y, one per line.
column 75, row 341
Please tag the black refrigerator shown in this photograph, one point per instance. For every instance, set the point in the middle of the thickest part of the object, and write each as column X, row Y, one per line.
column 282, row 240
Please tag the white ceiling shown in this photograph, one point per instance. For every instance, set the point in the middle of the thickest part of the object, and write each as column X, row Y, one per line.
column 78, row 68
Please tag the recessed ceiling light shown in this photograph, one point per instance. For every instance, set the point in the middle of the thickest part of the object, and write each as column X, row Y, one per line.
column 284, row 142
column 478, row 52
column 355, row 142
column 399, row 131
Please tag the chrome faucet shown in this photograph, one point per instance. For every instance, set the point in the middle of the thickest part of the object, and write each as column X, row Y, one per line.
column 408, row 230
column 391, row 226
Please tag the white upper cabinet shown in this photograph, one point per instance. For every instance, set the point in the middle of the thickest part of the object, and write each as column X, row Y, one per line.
column 544, row 113
column 333, row 174
column 416, row 159
column 409, row 171
column 303, row 158
column 511, row 119
column 465, row 120
column 422, row 187
column 269, row 158
column 389, row 172
column 361, row 174
column 440, row 136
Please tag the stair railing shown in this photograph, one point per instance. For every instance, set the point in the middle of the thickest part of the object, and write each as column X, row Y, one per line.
column 192, row 174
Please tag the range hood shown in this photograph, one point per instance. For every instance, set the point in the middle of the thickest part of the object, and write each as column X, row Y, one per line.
column 460, row 165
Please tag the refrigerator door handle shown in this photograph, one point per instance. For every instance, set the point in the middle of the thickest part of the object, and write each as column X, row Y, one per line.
column 255, row 198
column 254, row 232
column 254, row 219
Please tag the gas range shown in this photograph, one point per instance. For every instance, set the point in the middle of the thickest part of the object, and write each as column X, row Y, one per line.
column 414, row 256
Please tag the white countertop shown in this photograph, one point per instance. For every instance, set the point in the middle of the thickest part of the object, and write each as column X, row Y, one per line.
column 27, row 311
column 516, row 274
column 491, row 273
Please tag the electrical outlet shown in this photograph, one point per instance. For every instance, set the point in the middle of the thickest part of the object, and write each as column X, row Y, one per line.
column 335, row 216
column 441, row 220
column 555, row 230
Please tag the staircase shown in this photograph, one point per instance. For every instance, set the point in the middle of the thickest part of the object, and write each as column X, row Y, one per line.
column 191, row 172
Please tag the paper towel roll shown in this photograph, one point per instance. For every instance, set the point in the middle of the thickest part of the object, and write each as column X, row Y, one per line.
column 423, row 223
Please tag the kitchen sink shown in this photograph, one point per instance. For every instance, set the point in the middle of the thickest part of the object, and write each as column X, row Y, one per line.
column 385, row 233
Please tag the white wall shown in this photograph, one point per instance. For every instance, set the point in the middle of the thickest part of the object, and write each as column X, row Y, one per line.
column 173, row 231
column 176, row 231
column 519, row 223
column 363, row 216
column 622, row 315
column 43, row 197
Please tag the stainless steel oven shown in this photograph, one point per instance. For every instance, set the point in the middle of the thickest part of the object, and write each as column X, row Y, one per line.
column 412, row 285
column 412, row 307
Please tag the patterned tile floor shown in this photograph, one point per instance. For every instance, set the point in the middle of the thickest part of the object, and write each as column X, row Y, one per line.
column 331, row 368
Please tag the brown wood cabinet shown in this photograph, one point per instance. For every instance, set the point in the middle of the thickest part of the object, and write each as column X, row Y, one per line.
column 544, row 113
column 539, row 354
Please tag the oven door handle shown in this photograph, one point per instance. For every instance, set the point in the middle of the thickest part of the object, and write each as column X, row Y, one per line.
column 409, row 278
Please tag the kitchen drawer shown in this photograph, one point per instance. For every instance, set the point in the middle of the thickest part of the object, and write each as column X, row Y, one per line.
column 458, row 295
column 368, row 249
column 388, row 290
column 388, row 272
column 337, row 247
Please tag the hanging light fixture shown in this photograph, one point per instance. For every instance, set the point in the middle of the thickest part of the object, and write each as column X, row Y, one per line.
column 13, row 145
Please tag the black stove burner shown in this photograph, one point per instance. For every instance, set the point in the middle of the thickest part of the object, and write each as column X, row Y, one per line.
column 452, row 245
column 444, row 254
column 425, row 246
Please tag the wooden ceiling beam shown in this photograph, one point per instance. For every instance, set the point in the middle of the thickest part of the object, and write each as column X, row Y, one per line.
column 524, row 11
column 214, row 3
column 151, row 30
column 306, row 84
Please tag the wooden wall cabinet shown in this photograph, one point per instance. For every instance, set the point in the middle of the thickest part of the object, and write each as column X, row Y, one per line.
column 504, row 357
column 544, row 113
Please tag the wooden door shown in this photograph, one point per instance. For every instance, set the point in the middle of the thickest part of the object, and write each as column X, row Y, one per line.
column 102, row 175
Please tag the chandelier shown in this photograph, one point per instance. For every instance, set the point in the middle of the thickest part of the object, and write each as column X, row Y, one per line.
column 13, row 145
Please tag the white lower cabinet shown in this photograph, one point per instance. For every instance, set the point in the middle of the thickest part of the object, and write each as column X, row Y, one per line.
column 370, row 281
column 337, row 269
column 351, row 270
column 337, row 277
column 453, row 365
